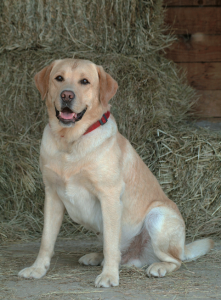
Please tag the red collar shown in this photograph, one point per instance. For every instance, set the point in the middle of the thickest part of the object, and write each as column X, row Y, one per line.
column 100, row 122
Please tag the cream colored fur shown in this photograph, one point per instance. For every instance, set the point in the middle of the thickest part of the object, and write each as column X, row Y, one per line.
column 103, row 184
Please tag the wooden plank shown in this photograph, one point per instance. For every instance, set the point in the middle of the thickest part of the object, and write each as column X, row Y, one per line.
column 211, row 123
column 197, row 47
column 189, row 20
column 209, row 104
column 192, row 2
column 203, row 76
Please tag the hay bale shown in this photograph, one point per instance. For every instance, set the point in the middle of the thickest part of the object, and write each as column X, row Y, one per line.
column 188, row 169
column 124, row 26
column 151, row 105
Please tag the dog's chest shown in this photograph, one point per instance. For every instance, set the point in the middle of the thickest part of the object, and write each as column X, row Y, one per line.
column 75, row 189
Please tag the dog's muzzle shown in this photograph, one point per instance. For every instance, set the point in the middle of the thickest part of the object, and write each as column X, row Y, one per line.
column 67, row 116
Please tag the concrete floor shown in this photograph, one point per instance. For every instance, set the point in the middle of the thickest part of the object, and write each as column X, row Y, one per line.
column 66, row 279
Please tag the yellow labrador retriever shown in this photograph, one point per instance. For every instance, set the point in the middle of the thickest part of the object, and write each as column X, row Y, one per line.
column 94, row 173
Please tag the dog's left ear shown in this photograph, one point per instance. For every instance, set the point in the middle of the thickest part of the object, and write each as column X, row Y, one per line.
column 108, row 86
column 42, row 80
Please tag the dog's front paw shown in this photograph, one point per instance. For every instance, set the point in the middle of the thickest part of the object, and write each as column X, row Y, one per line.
column 33, row 272
column 107, row 280
column 91, row 259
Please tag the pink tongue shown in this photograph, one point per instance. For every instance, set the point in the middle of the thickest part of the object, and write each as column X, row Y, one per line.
column 66, row 115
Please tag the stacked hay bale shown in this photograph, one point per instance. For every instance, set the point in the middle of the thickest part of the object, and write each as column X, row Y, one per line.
column 151, row 106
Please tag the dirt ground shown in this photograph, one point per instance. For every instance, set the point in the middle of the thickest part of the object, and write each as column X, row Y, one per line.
column 67, row 279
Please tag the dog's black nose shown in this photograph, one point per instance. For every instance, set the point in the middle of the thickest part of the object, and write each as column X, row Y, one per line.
column 67, row 96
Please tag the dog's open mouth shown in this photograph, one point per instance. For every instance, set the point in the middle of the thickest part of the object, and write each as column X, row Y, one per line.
column 67, row 116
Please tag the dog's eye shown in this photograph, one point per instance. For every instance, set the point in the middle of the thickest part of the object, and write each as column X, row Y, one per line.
column 84, row 81
column 59, row 78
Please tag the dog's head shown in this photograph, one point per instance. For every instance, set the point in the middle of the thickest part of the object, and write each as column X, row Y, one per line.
column 77, row 93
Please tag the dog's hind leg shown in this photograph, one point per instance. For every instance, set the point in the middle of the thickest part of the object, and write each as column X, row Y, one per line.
column 91, row 259
column 167, row 232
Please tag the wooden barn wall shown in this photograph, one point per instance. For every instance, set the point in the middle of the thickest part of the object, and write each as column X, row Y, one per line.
column 197, row 24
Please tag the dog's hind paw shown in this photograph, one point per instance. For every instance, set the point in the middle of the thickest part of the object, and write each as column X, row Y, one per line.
column 160, row 269
column 91, row 259
column 156, row 270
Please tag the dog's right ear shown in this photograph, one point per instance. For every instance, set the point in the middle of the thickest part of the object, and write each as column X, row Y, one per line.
column 42, row 80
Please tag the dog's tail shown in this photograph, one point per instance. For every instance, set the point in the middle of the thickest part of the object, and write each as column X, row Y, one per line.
column 198, row 248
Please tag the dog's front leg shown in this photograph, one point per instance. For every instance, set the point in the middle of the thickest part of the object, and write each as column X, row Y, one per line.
column 111, row 213
column 53, row 215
